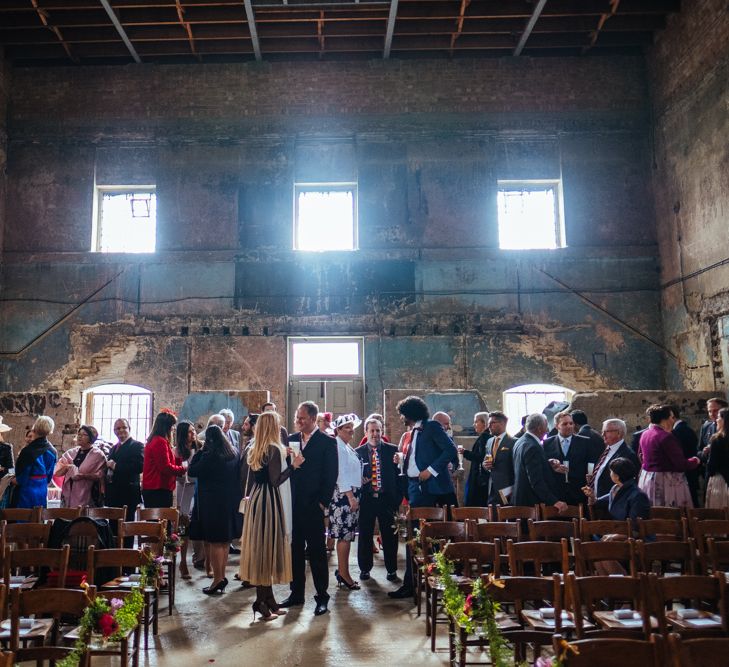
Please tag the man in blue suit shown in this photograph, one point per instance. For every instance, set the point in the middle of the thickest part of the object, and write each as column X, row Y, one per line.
column 426, row 468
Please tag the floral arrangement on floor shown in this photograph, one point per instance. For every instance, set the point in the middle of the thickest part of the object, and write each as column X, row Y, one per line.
column 111, row 619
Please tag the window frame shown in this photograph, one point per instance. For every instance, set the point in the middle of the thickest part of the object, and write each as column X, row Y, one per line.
column 97, row 222
column 533, row 185
column 323, row 187
column 318, row 340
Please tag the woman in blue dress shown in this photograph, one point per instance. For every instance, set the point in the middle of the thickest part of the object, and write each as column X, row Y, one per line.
column 34, row 466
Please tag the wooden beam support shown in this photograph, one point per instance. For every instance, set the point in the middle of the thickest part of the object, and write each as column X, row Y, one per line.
column 614, row 4
column 459, row 25
column 250, row 16
column 43, row 16
column 188, row 29
column 390, row 29
column 529, row 26
column 120, row 29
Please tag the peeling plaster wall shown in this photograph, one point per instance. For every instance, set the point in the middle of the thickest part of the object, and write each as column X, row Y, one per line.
column 4, row 95
column 689, row 67
column 438, row 304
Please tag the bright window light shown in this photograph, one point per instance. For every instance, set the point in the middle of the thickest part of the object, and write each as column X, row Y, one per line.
column 325, row 217
column 323, row 359
column 126, row 220
column 530, row 398
column 107, row 403
column 530, row 215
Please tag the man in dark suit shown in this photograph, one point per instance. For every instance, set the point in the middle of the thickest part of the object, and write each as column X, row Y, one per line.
column 426, row 467
column 312, row 490
column 477, row 484
column 379, row 501
column 690, row 446
column 597, row 444
column 708, row 428
column 499, row 462
column 568, row 454
column 230, row 433
column 533, row 478
column 613, row 430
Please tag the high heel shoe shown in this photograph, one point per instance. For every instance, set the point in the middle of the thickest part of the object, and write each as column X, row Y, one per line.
column 342, row 582
column 217, row 588
column 262, row 608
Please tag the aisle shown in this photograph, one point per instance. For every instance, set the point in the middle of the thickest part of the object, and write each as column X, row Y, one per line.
column 362, row 628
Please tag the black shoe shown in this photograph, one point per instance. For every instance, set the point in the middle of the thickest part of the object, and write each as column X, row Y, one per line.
column 291, row 601
column 401, row 593
column 364, row 576
column 233, row 550
column 392, row 576
column 321, row 608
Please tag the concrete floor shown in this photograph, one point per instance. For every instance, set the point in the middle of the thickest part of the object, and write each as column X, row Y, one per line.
column 362, row 628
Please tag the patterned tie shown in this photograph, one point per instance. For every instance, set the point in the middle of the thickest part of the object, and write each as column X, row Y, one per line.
column 591, row 477
column 376, row 471
column 495, row 446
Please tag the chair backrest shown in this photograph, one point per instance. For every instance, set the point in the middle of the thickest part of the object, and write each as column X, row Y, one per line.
column 536, row 592
column 440, row 532
column 661, row 557
column 701, row 530
column 32, row 561
column 473, row 557
column 27, row 535
column 146, row 532
column 416, row 515
column 705, row 513
column 606, row 652
column 539, row 554
column 53, row 513
column 718, row 554
column 114, row 560
column 550, row 531
column 588, row 553
column 703, row 651
column 585, row 595
column 586, row 529
column 15, row 514
column 80, row 535
column 516, row 512
column 501, row 530
column 551, row 513
column 670, row 530
column 675, row 513
column 474, row 513
column 168, row 514
column 7, row 659
column 111, row 514
column 697, row 591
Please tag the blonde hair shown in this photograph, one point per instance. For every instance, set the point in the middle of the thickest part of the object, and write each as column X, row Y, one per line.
column 266, row 432
column 43, row 426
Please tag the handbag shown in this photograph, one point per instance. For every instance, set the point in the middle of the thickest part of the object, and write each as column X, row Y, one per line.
column 245, row 500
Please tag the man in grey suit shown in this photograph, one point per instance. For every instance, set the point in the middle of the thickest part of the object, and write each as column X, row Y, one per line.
column 232, row 435
column 533, row 478
column 498, row 460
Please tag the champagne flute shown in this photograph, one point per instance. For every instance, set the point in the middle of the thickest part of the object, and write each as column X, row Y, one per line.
column 401, row 463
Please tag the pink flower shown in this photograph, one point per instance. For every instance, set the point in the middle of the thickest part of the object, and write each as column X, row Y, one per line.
column 543, row 662
column 116, row 603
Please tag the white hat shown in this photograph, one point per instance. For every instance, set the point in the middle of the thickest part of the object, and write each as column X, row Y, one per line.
column 4, row 428
column 350, row 418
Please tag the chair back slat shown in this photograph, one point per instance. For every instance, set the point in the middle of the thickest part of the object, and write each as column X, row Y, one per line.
column 472, row 513
column 111, row 514
column 550, row 531
column 516, row 512
column 661, row 557
column 588, row 554
column 605, row 652
column 538, row 554
column 551, row 513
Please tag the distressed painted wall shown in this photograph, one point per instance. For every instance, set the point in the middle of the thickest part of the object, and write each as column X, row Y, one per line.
column 438, row 304
column 690, row 72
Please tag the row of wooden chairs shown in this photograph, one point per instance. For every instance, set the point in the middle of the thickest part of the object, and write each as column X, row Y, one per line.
column 41, row 514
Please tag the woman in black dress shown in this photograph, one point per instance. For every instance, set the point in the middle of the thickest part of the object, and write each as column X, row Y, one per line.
column 125, row 463
column 216, row 503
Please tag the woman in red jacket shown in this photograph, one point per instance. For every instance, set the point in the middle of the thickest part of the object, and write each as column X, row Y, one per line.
column 161, row 468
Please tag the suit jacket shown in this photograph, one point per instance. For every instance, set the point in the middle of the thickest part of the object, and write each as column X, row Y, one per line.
column 478, row 478
column 635, row 440
column 389, row 473
column 314, row 480
column 629, row 502
column 234, row 438
column 533, row 477
column 708, row 428
column 604, row 483
column 579, row 455
column 597, row 444
column 434, row 449
column 129, row 459
column 502, row 472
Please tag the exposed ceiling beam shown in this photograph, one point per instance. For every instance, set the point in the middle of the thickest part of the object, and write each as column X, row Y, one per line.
column 188, row 29
column 529, row 26
column 459, row 25
column 250, row 16
column 390, row 29
column 614, row 4
column 120, row 29
column 43, row 16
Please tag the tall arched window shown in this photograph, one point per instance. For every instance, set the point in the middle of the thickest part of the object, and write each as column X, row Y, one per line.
column 529, row 398
column 104, row 404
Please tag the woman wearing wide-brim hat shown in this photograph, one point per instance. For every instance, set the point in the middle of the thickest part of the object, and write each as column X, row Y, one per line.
column 7, row 460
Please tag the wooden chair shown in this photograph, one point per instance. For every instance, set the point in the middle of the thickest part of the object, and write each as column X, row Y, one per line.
column 585, row 530
column 111, row 514
column 706, row 594
column 414, row 518
column 718, row 555
column 537, row 555
column 587, row 554
column 171, row 520
column 151, row 534
column 674, row 513
column 27, row 535
column 27, row 562
column 706, row 513
column 703, row 529
column 550, row 531
column 666, row 530
column 666, row 558
column 472, row 559
column 516, row 513
column 15, row 514
column 7, row 659
column 606, row 652
column 80, row 536
column 53, row 513
column 433, row 536
column 53, row 603
column 471, row 513
column 704, row 651
column 551, row 513
column 591, row 599
column 116, row 561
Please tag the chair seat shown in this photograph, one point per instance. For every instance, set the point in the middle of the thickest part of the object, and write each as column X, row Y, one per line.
column 40, row 629
column 73, row 635
column 505, row 622
column 437, row 582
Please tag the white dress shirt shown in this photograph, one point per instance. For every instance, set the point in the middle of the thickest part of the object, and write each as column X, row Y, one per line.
column 413, row 470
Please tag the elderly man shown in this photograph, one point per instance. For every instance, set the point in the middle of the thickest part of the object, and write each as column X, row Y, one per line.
column 477, row 484
column 216, row 420
column 613, row 432
column 230, row 433
column 533, row 478
column 568, row 454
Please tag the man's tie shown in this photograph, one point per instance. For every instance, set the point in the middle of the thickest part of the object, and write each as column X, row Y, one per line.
column 591, row 477
column 565, row 447
column 376, row 471
column 495, row 446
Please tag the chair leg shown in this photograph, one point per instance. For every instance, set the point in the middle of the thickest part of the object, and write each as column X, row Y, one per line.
column 427, row 610
column 462, row 650
column 433, row 617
